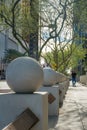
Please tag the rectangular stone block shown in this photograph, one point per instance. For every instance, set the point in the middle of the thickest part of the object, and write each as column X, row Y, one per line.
column 63, row 86
column 53, row 107
column 12, row 105
column 61, row 93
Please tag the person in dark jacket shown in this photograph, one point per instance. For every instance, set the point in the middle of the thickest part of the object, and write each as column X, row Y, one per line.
column 73, row 75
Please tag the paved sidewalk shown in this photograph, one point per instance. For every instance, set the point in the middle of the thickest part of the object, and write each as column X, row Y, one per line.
column 73, row 114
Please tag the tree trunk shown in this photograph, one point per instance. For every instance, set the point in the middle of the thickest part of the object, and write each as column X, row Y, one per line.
column 33, row 40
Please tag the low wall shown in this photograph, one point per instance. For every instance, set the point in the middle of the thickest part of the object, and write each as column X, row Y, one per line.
column 83, row 79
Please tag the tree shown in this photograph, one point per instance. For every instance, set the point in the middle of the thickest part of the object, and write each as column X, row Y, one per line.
column 56, row 28
column 18, row 17
column 23, row 19
column 69, row 59
column 77, row 55
column 11, row 54
column 55, row 23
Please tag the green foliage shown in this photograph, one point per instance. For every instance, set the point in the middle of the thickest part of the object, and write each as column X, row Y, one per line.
column 67, row 58
column 55, row 16
column 11, row 54
column 77, row 55
column 20, row 19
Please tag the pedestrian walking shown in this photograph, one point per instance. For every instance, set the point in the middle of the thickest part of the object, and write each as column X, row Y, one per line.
column 73, row 75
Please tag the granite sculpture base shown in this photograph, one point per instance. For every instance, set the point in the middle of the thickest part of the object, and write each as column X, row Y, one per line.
column 53, row 99
column 12, row 105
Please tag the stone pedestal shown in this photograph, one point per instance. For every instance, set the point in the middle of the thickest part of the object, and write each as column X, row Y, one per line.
column 66, row 85
column 12, row 105
column 63, row 85
column 61, row 94
column 53, row 94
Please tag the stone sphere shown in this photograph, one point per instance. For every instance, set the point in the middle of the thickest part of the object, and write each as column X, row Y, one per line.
column 24, row 75
column 60, row 77
column 49, row 76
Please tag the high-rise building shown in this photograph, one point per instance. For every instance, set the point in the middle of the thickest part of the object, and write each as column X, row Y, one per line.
column 80, row 29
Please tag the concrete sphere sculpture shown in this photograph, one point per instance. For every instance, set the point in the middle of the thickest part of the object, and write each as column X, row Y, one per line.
column 61, row 77
column 49, row 76
column 24, row 75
